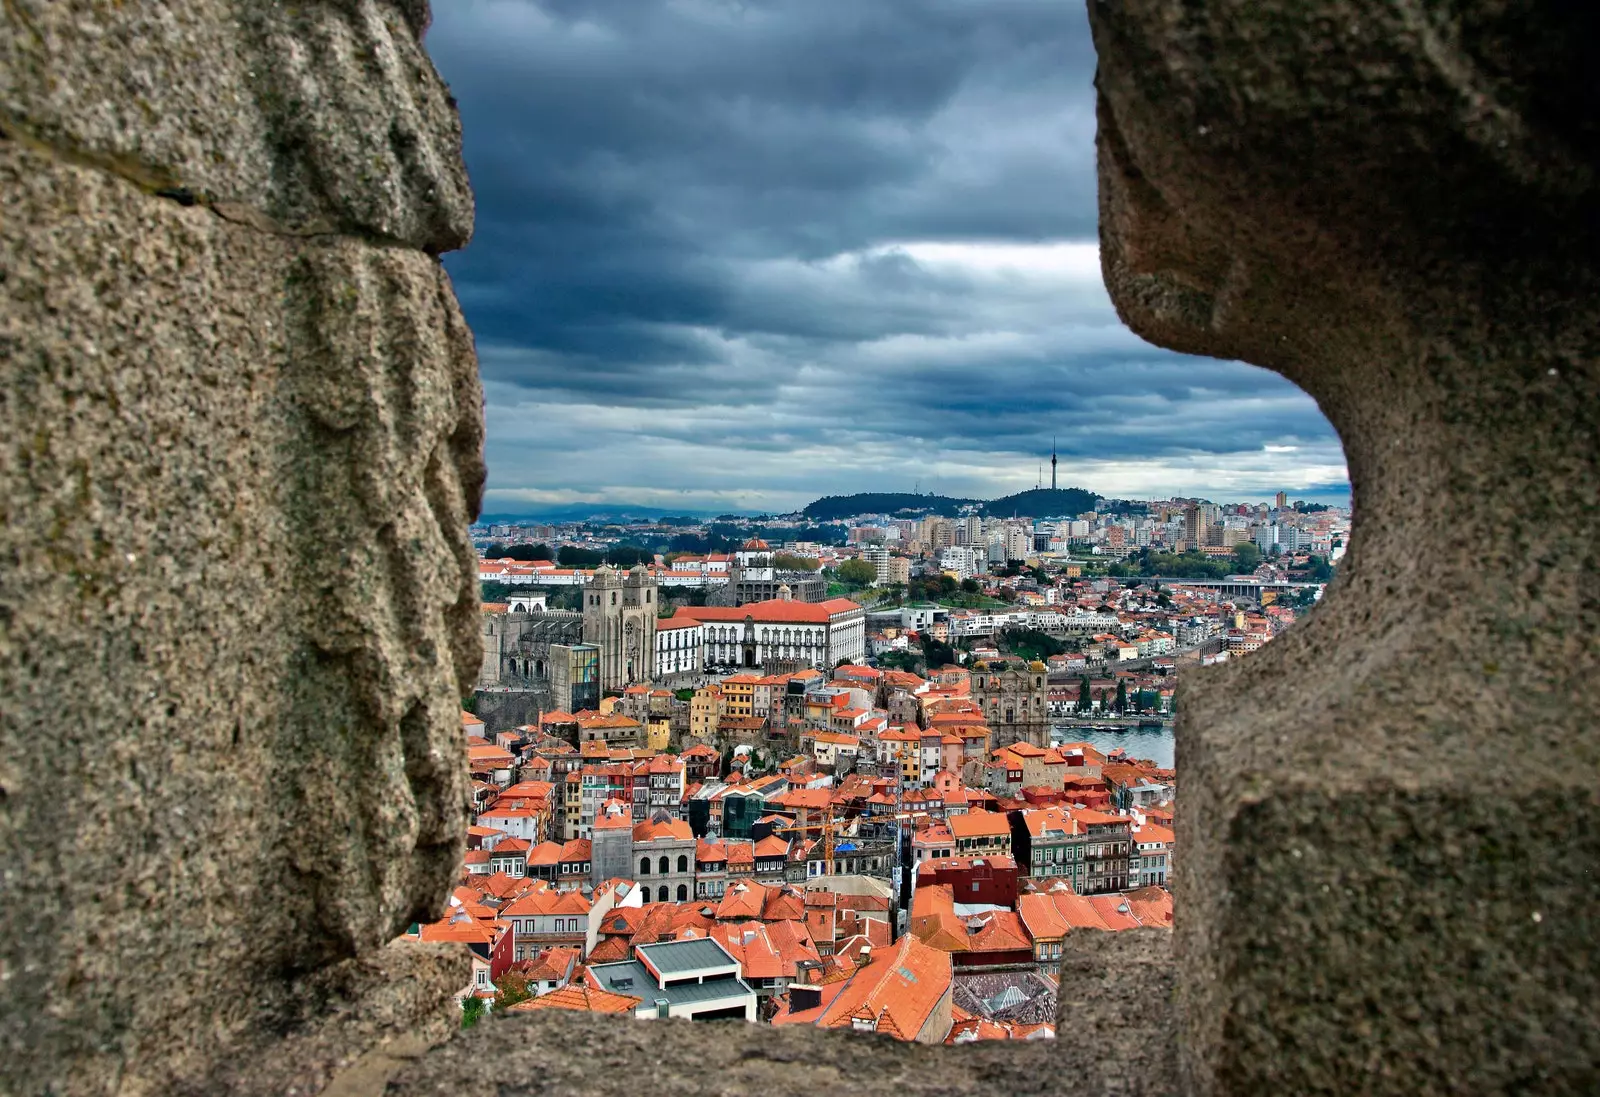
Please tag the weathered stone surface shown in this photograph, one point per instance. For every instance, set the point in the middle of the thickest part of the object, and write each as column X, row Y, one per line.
column 1391, row 816
column 1116, row 986
column 237, row 603
column 324, row 116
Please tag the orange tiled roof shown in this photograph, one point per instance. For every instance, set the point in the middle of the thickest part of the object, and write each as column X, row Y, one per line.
column 899, row 989
column 581, row 997
column 979, row 824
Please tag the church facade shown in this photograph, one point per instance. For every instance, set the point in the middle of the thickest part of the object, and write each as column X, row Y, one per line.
column 619, row 617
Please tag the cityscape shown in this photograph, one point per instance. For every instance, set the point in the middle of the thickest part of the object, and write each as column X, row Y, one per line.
column 863, row 766
column 773, row 547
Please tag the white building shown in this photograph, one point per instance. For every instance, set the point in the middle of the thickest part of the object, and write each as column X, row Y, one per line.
column 695, row 979
column 680, row 646
column 878, row 556
column 966, row 561
column 819, row 634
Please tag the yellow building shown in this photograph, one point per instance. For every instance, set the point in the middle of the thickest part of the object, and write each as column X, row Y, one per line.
column 658, row 734
column 705, row 711
column 738, row 695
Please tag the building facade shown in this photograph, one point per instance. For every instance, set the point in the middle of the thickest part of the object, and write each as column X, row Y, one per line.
column 1013, row 697
column 762, row 634
column 619, row 617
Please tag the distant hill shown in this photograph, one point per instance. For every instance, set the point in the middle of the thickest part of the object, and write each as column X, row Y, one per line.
column 1042, row 503
column 830, row 508
column 1039, row 503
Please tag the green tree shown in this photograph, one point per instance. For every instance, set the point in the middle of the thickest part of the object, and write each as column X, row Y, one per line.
column 1122, row 695
column 1246, row 558
column 899, row 660
column 936, row 653
column 856, row 572
column 1084, row 703
column 626, row 556
column 529, row 552
column 471, row 1011
column 511, row 988
column 785, row 561
column 570, row 556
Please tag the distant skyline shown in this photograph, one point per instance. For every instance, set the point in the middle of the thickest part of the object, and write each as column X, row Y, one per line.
column 734, row 256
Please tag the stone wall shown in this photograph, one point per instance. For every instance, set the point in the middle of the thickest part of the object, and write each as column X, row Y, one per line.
column 504, row 709
column 240, row 443
column 1390, row 817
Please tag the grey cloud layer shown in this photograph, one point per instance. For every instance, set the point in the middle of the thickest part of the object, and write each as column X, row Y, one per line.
column 687, row 274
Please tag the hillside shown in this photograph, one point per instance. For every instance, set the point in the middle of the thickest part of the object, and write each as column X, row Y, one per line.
column 1041, row 502
column 831, row 508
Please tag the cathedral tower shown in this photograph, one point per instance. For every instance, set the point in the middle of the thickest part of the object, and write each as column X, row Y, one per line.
column 619, row 616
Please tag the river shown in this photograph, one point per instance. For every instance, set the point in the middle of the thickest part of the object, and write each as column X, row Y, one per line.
column 1153, row 743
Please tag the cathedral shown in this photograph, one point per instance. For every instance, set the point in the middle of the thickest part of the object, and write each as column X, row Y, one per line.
column 619, row 617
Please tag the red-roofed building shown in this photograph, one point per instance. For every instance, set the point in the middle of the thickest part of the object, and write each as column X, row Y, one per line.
column 490, row 944
column 818, row 634
column 904, row 991
column 990, row 880
column 976, row 935
column 664, row 850
column 980, row 833
column 547, row 916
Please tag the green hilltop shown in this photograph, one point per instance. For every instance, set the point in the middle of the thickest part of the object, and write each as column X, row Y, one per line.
column 1037, row 503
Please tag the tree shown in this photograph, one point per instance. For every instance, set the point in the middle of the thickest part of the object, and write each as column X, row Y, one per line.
column 936, row 653
column 529, row 552
column 1083, row 694
column 511, row 988
column 785, row 561
column 856, row 572
column 1246, row 557
column 471, row 1011
column 572, row 557
column 626, row 556
column 971, row 586
column 899, row 660
column 1122, row 695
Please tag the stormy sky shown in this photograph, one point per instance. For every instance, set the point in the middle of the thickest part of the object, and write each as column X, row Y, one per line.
column 737, row 254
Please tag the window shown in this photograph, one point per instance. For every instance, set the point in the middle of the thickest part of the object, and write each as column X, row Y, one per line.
column 666, row 865
column 644, row 866
column 683, row 892
column 683, row 864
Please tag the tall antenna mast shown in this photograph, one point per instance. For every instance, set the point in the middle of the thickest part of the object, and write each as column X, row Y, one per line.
column 1052, row 462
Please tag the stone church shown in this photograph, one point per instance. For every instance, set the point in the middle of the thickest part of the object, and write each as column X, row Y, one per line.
column 1012, row 695
column 619, row 617
column 754, row 577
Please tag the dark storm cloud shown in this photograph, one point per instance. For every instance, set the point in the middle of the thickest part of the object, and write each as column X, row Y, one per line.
column 708, row 229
